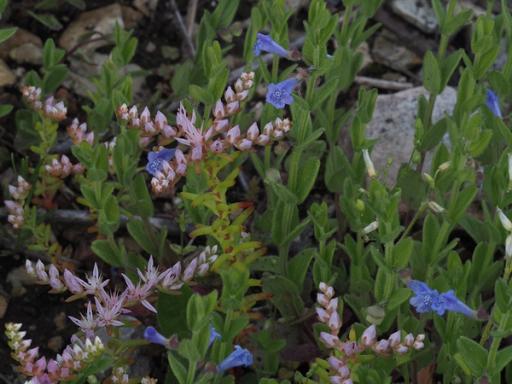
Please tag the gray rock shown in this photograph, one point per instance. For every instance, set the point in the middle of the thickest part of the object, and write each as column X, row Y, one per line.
column 388, row 51
column 7, row 77
column 95, row 23
column 18, row 40
column 417, row 12
column 393, row 127
column 27, row 53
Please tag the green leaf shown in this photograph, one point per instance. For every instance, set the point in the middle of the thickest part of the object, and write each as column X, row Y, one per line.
column 503, row 358
column 80, row 4
column 473, row 355
column 298, row 267
column 431, row 73
column 54, row 77
column 172, row 312
column 285, row 296
column 398, row 297
column 6, row 33
column 177, row 368
column 144, row 236
column 103, row 249
column 5, row 109
column 402, row 253
column 47, row 19
column 464, row 199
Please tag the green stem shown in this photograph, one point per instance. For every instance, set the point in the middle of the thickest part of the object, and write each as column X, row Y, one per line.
column 266, row 159
column 283, row 259
column 191, row 372
column 275, row 68
column 417, row 215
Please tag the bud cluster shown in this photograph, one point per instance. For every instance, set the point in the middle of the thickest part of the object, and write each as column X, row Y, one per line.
column 15, row 207
column 74, row 357
column 148, row 126
column 50, row 108
column 345, row 351
column 507, row 225
column 119, row 376
column 108, row 305
column 63, row 167
column 78, row 132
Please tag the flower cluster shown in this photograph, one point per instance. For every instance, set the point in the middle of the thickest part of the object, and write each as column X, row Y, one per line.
column 345, row 352
column 427, row 299
column 148, row 126
column 168, row 165
column 78, row 132
column 50, row 108
column 63, row 167
column 15, row 207
column 74, row 357
column 110, row 305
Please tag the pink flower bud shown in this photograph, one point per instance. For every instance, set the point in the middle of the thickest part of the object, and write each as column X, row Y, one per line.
column 40, row 271
column 322, row 315
column 233, row 134
column 72, row 282
column 328, row 339
column 245, row 145
column 253, row 132
column 232, row 107
column 145, row 116
column 220, row 125
column 394, row 339
column 229, row 95
column 382, row 346
column 217, row 146
column 369, row 336
column 218, row 110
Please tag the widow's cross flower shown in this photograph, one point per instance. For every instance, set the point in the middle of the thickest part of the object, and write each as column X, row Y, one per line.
column 493, row 103
column 156, row 160
column 264, row 43
column 280, row 94
column 427, row 299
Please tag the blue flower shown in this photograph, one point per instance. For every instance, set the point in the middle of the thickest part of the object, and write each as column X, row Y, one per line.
column 280, row 94
column 427, row 299
column 153, row 336
column 214, row 335
column 240, row 357
column 156, row 159
column 493, row 103
column 264, row 43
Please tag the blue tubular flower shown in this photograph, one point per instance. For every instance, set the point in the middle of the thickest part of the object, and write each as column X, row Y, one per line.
column 264, row 43
column 427, row 299
column 240, row 357
column 156, row 159
column 153, row 336
column 453, row 304
column 214, row 335
column 280, row 94
column 493, row 103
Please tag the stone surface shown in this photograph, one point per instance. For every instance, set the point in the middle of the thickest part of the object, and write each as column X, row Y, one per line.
column 18, row 40
column 417, row 12
column 388, row 51
column 367, row 58
column 101, row 20
column 3, row 305
column 393, row 127
column 7, row 77
column 27, row 53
